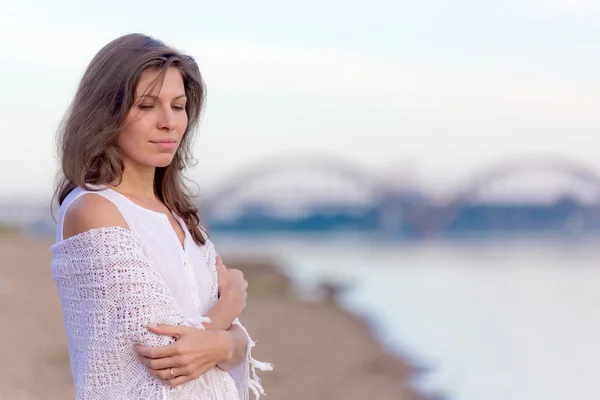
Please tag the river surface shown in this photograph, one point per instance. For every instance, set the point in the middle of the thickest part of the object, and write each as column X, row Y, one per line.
column 489, row 319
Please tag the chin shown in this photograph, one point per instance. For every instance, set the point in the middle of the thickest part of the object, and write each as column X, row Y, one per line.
column 161, row 162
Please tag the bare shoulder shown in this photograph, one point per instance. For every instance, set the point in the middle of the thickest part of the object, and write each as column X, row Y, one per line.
column 91, row 211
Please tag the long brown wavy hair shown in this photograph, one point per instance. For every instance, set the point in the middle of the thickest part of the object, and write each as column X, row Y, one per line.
column 87, row 145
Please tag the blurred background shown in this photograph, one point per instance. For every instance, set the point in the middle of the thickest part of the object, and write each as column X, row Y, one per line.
column 411, row 188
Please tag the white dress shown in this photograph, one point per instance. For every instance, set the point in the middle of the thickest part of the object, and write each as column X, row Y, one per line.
column 112, row 282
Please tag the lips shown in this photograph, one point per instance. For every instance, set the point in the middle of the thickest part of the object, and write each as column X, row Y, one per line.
column 165, row 144
column 163, row 141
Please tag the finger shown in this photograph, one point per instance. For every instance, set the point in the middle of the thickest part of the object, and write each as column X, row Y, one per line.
column 175, row 331
column 165, row 374
column 169, row 350
column 220, row 265
column 158, row 363
column 234, row 274
column 180, row 380
column 221, row 269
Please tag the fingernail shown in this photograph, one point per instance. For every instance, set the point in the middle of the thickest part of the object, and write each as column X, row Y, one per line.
column 152, row 326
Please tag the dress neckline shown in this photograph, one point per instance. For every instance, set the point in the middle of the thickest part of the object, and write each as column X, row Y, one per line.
column 181, row 223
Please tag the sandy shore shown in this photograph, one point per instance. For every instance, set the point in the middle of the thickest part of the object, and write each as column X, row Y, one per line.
column 320, row 351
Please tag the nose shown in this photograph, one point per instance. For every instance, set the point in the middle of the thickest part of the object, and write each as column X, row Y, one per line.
column 166, row 120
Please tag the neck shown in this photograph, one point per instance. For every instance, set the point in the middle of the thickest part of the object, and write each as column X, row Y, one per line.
column 137, row 181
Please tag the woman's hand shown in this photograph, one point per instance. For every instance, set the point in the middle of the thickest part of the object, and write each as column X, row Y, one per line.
column 194, row 353
column 221, row 274
column 232, row 298
column 239, row 339
column 232, row 287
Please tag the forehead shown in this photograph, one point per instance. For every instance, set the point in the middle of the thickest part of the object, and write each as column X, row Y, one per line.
column 171, row 84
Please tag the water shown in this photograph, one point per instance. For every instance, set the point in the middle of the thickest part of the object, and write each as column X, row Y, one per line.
column 492, row 320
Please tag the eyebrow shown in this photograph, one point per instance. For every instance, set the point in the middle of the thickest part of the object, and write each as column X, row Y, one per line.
column 156, row 97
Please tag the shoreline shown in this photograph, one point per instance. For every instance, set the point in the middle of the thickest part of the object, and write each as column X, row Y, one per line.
column 365, row 359
column 321, row 350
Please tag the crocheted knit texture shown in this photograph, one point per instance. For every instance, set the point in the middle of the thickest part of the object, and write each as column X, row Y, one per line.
column 110, row 292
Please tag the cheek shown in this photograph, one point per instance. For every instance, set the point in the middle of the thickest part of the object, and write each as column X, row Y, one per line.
column 132, row 138
column 182, row 122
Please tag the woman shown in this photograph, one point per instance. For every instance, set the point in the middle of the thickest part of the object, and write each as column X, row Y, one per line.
column 149, row 309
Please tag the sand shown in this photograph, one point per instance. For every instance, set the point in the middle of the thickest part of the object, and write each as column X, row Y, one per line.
column 320, row 351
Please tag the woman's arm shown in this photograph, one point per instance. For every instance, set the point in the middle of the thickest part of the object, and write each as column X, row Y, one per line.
column 222, row 315
column 232, row 289
column 227, row 308
column 110, row 289
column 91, row 211
column 239, row 342
column 231, row 302
column 229, row 346
column 240, row 364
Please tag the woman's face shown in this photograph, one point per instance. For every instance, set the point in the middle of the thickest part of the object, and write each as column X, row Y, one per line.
column 155, row 124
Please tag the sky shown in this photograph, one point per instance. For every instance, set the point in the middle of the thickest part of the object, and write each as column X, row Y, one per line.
column 431, row 91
